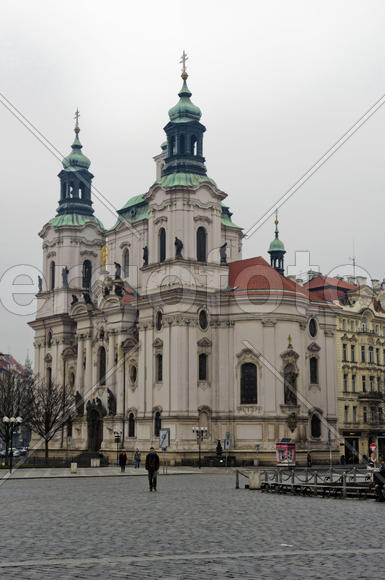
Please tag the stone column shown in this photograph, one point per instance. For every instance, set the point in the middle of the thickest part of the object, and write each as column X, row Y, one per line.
column 88, row 371
column 79, row 365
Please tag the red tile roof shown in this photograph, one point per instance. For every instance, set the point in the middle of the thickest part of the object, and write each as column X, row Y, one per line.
column 255, row 275
column 330, row 288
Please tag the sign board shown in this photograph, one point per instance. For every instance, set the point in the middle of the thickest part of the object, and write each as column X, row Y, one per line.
column 227, row 444
column 164, row 438
column 372, row 447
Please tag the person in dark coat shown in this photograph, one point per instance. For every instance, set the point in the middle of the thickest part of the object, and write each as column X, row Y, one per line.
column 152, row 466
column 122, row 461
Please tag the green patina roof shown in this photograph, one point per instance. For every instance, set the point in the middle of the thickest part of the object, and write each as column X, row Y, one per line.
column 185, row 110
column 277, row 246
column 226, row 217
column 184, row 179
column 74, row 220
column 133, row 201
column 76, row 160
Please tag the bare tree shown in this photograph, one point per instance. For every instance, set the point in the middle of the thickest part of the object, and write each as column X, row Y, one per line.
column 51, row 409
column 15, row 400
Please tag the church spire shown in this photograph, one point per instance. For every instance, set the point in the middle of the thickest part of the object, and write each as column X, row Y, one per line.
column 277, row 250
column 75, row 193
column 184, row 133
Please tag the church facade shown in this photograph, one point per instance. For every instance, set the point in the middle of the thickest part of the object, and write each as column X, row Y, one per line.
column 158, row 322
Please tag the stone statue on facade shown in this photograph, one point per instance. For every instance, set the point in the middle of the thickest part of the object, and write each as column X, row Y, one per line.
column 111, row 401
column 145, row 256
column 87, row 298
column 75, row 299
column 178, row 248
column 222, row 253
column 290, row 385
column 40, row 283
column 118, row 270
column 64, row 275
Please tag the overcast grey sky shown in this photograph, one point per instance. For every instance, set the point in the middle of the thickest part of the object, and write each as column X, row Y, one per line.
column 277, row 81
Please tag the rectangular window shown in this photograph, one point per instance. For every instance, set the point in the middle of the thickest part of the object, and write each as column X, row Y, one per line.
column 354, row 414
column 363, row 383
column 377, row 356
column 383, row 331
column 352, row 325
column 362, row 353
column 371, row 354
column 373, row 414
column 344, row 349
column 371, row 380
column 346, row 414
column 159, row 368
column 343, row 324
column 365, row 415
column 379, row 384
column 354, row 383
column 377, row 329
column 202, row 371
column 345, row 383
column 380, row 415
column 353, row 352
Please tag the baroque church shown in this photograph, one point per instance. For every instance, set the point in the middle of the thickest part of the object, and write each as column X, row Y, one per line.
column 158, row 322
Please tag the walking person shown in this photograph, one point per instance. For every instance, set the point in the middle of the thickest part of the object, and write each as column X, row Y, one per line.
column 122, row 461
column 152, row 466
column 137, row 458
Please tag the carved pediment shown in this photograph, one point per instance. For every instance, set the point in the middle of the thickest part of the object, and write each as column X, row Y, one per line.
column 160, row 219
column 246, row 352
column 202, row 218
column 69, row 353
column 313, row 347
column 204, row 342
column 289, row 355
column 158, row 343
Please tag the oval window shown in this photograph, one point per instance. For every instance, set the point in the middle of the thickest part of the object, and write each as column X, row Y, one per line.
column 312, row 327
column 133, row 374
column 159, row 320
column 203, row 322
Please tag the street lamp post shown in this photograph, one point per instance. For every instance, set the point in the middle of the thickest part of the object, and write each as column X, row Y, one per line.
column 201, row 433
column 13, row 424
column 117, row 435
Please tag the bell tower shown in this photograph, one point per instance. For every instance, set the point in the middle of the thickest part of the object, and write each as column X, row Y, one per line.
column 184, row 134
column 277, row 251
column 75, row 180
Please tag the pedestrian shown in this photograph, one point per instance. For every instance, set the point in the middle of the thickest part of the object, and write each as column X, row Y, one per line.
column 122, row 461
column 137, row 458
column 308, row 459
column 152, row 466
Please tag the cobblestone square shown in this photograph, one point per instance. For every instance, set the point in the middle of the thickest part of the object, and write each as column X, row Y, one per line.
column 195, row 526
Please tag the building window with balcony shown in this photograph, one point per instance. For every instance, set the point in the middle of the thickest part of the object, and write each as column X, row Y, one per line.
column 363, row 357
column 371, row 382
column 354, row 414
column 344, row 349
column 345, row 383
column 371, row 354
column 353, row 353
column 365, row 415
column 346, row 414
column 363, row 383
column 353, row 383
column 377, row 356
column 373, row 414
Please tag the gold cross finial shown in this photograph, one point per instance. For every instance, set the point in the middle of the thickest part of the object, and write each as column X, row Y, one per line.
column 276, row 217
column 77, row 115
column 183, row 62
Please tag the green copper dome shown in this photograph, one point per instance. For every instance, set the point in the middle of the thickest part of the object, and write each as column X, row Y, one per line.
column 277, row 246
column 185, row 110
column 76, row 160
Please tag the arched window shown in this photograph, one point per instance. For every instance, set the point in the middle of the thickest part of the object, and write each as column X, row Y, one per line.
column 314, row 370
column 157, row 424
column 181, row 145
column 52, row 269
column 249, row 394
column 126, row 262
column 159, row 368
column 102, row 365
column 49, row 377
column 159, row 320
column 315, row 425
column 131, row 425
column 364, row 325
column 193, row 143
column 171, row 146
column 49, row 339
column 201, row 244
column 203, row 367
column 162, row 245
column 87, row 274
